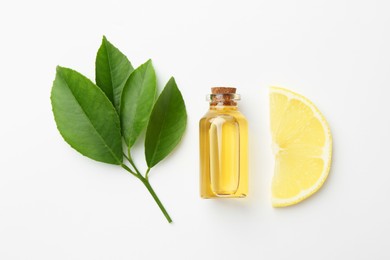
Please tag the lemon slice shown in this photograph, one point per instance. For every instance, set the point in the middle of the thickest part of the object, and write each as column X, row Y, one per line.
column 302, row 144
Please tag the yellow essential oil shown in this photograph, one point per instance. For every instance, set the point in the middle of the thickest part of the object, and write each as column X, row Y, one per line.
column 223, row 147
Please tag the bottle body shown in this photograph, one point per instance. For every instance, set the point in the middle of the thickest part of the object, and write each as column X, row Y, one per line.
column 223, row 140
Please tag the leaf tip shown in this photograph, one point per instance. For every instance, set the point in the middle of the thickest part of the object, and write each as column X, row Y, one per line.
column 148, row 63
column 105, row 42
column 172, row 83
column 60, row 70
column 172, row 80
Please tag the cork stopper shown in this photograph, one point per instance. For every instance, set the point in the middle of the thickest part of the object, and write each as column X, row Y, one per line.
column 225, row 96
column 223, row 90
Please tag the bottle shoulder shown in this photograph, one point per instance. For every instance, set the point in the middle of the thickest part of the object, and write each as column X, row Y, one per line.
column 214, row 113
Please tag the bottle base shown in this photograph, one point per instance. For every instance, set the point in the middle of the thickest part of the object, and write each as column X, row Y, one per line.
column 223, row 196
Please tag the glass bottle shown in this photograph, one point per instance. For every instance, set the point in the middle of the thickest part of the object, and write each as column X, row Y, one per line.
column 223, row 140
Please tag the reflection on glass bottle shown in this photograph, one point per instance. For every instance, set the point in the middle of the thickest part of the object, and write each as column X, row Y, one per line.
column 223, row 147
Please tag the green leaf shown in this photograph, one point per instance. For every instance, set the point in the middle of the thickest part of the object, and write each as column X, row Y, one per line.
column 85, row 117
column 112, row 70
column 166, row 125
column 137, row 102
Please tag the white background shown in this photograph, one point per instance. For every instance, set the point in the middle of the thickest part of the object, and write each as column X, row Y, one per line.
column 57, row 204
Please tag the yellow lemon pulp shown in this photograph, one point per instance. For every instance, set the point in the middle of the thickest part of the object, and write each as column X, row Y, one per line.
column 302, row 144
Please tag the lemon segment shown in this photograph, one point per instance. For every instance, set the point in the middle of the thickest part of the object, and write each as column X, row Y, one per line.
column 302, row 144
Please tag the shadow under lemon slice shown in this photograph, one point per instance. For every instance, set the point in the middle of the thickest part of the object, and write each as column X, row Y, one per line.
column 302, row 145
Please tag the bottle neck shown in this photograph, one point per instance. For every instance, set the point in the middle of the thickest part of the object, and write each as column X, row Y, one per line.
column 223, row 107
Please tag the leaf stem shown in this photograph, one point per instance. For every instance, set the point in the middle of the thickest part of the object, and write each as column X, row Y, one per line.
column 145, row 181
column 130, row 159
column 124, row 166
column 156, row 199
column 147, row 174
column 124, row 154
